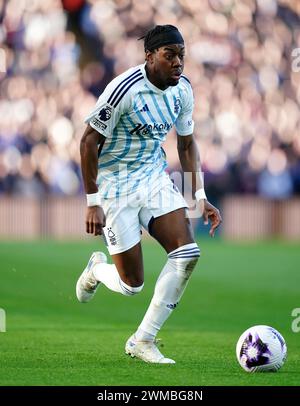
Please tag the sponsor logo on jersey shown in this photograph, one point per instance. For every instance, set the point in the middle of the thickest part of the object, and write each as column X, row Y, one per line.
column 97, row 123
column 143, row 129
column 105, row 113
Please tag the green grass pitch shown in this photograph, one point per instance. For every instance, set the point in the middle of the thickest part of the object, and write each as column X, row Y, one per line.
column 51, row 339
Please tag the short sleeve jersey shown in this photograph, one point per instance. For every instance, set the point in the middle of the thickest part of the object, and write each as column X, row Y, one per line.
column 135, row 117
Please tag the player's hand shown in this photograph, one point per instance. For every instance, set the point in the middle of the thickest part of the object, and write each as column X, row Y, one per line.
column 95, row 220
column 212, row 214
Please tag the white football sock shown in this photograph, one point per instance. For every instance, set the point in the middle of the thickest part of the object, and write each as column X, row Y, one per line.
column 109, row 276
column 168, row 290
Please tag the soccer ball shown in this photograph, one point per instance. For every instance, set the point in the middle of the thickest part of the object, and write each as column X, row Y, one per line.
column 261, row 349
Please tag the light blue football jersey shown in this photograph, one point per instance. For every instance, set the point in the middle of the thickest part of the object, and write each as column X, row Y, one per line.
column 135, row 117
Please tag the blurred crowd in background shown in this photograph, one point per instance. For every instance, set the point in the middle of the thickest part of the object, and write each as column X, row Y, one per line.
column 56, row 57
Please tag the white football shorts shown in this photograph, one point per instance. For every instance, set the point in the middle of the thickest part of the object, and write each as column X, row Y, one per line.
column 126, row 215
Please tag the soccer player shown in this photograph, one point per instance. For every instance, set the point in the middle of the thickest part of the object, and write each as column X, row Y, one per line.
column 123, row 168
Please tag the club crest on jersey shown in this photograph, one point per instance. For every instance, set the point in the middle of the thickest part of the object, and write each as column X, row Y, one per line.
column 177, row 105
column 105, row 113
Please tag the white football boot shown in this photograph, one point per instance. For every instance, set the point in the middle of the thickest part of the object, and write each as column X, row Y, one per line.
column 147, row 351
column 87, row 284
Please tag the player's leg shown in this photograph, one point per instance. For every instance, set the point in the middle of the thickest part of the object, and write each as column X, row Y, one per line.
column 169, row 225
column 174, row 232
column 122, row 237
column 125, row 275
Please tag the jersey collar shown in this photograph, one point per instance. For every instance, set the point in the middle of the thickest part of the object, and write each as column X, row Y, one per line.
column 150, row 84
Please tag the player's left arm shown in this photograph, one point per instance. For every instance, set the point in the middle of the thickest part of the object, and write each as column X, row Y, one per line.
column 190, row 162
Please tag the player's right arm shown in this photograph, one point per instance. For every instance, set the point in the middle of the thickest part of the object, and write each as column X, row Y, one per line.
column 91, row 143
column 112, row 103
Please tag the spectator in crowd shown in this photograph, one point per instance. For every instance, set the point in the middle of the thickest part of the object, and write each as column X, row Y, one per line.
column 57, row 57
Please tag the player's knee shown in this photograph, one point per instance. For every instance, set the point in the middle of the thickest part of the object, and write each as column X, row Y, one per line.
column 191, row 265
column 188, row 265
column 185, row 258
column 128, row 290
